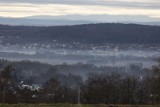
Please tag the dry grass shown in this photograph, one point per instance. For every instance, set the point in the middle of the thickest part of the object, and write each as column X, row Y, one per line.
column 73, row 105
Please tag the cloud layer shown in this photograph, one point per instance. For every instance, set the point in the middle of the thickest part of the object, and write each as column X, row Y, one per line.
column 119, row 3
column 23, row 8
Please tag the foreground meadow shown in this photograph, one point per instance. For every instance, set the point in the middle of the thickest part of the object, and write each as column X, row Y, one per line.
column 73, row 105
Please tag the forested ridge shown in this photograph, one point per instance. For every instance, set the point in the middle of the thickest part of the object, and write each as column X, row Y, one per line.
column 87, row 34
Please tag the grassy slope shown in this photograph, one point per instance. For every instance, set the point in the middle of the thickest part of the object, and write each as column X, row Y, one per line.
column 71, row 105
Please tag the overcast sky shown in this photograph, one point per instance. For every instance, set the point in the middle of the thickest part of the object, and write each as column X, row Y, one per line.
column 23, row 8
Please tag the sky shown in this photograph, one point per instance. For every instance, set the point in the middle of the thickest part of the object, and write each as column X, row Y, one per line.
column 24, row 8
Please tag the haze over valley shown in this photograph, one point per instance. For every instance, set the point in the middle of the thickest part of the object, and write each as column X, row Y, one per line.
column 122, row 44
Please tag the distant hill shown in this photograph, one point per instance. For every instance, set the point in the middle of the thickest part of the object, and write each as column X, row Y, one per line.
column 139, row 19
column 44, row 20
column 40, row 22
column 87, row 34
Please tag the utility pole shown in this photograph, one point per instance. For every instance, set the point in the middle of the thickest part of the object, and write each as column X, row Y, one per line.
column 79, row 93
column 3, row 93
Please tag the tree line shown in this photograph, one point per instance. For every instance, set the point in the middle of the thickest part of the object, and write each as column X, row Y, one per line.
column 104, row 88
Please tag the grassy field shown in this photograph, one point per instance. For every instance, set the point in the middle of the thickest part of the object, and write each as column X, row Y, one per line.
column 72, row 105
